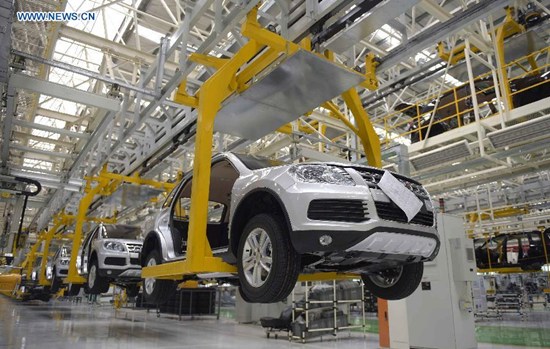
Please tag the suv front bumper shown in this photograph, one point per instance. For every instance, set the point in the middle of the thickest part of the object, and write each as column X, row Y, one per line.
column 119, row 265
column 372, row 234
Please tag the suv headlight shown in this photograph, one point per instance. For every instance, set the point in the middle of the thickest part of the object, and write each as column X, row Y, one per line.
column 64, row 262
column 324, row 174
column 114, row 246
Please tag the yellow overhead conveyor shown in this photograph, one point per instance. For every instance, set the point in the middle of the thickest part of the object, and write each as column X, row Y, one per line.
column 244, row 98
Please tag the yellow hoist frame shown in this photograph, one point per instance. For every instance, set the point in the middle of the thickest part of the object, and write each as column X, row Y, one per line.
column 106, row 183
column 229, row 78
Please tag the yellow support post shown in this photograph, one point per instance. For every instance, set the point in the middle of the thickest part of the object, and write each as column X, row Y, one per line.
column 59, row 220
column 182, row 97
column 508, row 28
column 371, row 82
column 369, row 138
column 208, row 61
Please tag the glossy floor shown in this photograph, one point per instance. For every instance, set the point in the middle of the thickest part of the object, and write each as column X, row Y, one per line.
column 64, row 325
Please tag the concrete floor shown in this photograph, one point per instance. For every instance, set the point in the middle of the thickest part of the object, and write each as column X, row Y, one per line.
column 65, row 325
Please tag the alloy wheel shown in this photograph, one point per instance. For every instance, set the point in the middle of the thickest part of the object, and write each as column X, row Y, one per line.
column 257, row 257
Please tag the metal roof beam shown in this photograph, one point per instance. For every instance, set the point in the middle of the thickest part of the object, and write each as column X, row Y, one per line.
column 61, row 131
column 63, row 92
column 19, row 134
column 441, row 31
column 57, row 115
column 40, row 151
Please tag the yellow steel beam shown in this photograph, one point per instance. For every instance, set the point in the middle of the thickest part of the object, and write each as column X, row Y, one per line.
column 182, row 97
column 508, row 28
column 208, row 61
column 84, row 205
column 498, row 213
column 371, row 82
column 327, row 276
column 337, row 114
column 508, row 270
column 367, row 135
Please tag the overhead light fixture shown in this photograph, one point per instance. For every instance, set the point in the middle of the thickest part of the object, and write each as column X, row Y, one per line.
column 449, row 153
column 521, row 133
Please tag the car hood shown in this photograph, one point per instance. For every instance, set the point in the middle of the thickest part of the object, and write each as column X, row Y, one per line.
column 125, row 241
column 351, row 165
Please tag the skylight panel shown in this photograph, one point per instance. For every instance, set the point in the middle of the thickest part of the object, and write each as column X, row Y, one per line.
column 149, row 34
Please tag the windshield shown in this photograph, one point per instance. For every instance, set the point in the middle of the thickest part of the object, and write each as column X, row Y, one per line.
column 256, row 163
column 65, row 251
column 119, row 231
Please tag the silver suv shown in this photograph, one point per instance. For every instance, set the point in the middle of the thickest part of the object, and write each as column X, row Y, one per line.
column 110, row 254
column 274, row 221
column 58, row 268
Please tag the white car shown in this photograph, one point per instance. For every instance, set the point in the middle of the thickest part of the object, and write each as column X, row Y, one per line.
column 275, row 221
column 58, row 268
column 110, row 254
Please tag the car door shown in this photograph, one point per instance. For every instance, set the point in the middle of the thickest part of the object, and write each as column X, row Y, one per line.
column 222, row 178
column 85, row 250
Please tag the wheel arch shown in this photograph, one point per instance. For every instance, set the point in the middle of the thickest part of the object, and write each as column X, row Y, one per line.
column 150, row 243
column 260, row 200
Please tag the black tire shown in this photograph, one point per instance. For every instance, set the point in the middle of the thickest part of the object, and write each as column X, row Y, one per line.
column 97, row 284
column 132, row 290
column 56, row 283
column 157, row 291
column 73, row 289
column 405, row 284
column 244, row 296
column 285, row 261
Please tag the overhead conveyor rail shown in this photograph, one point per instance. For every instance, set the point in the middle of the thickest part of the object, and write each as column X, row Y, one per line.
column 292, row 81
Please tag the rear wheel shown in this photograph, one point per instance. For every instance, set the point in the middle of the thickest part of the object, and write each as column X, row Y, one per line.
column 394, row 283
column 56, row 283
column 156, row 291
column 96, row 283
column 268, row 265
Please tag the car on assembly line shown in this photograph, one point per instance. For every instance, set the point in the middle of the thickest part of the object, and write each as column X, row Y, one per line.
column 528, row 250
column 275, row 221
column 110, row 254
column 58, row 268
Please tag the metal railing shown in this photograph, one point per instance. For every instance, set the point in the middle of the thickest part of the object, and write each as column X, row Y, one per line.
column 454, row 107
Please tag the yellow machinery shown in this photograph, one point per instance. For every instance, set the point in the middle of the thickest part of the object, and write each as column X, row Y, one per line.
column 9, row 283
column 234, row 76
column 105, row 184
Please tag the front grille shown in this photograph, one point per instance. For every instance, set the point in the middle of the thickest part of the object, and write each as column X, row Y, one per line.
column 63, row 272
column 115, row 261
column 134, row 248
column 373, row 177
column 134, row 261
column 391, row 212
column 340, row 210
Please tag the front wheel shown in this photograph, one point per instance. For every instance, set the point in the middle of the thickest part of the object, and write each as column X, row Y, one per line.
column 96, row 283
column 268, row 265
column 156, row 291
column 395, row 283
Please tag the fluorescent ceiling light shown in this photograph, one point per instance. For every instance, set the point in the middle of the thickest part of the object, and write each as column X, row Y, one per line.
column 521, row 133
column 449, row 153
